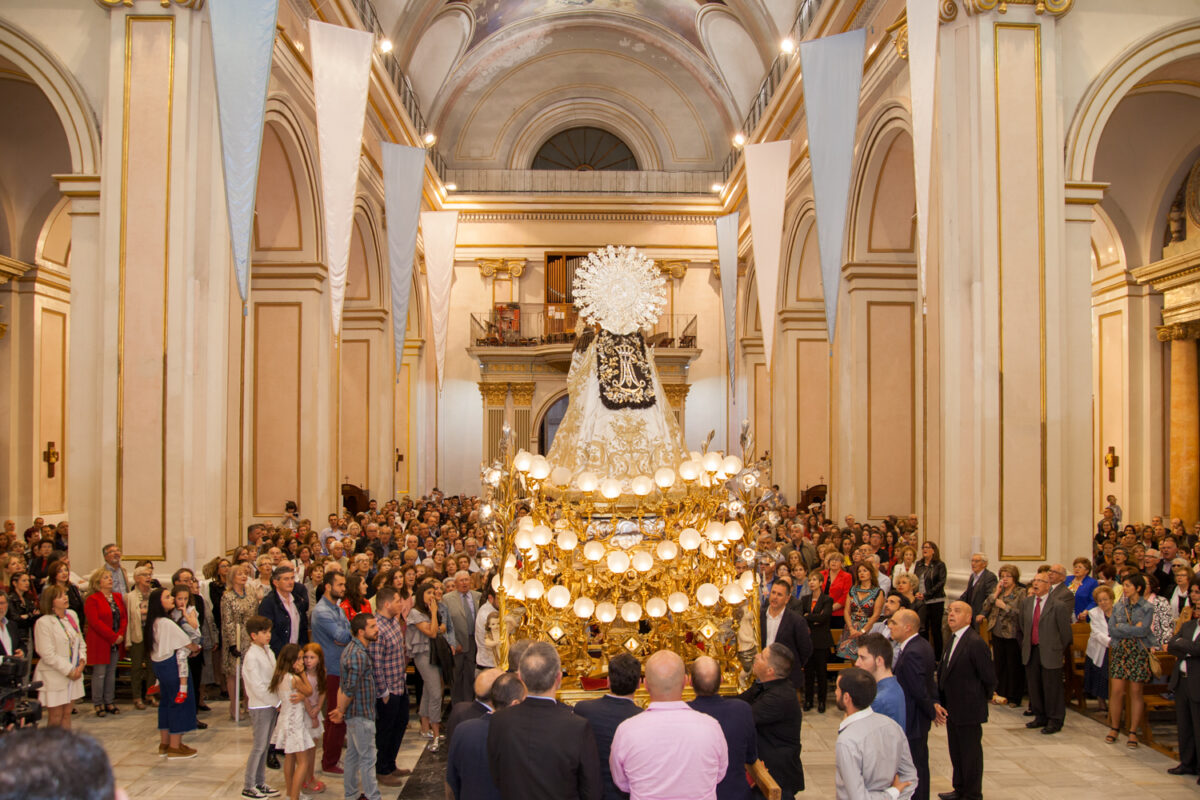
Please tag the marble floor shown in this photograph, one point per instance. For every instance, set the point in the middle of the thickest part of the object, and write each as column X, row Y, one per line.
column 1017, row 762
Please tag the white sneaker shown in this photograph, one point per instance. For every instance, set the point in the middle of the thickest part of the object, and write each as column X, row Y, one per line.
column 426, row 734
column 266, row 791
column 255, row 794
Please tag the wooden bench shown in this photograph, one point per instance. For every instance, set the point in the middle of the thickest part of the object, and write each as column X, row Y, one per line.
column 1073, row 663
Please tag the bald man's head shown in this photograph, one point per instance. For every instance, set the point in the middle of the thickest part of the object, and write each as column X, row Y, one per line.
column 905, row 623
column 665, row 676
column 483, row 683
column 706, row 676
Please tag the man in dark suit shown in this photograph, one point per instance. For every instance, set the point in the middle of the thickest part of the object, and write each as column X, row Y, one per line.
column 467, row 772
column 914, row 666
column 737, row 723
column 10, row 635
column 481, row 705
column 777, row 717
column 463, row 605
column 1046, row 627
column 781, row 625
column 287, row 610
column 539, row 749
column 1185, row 683
column 966, row 681
column 605, row 713
column 980, row 583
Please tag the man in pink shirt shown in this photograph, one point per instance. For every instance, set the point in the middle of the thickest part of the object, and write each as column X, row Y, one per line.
column 668, row 752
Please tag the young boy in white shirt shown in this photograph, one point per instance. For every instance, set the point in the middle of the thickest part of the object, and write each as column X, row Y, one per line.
column 258, row 665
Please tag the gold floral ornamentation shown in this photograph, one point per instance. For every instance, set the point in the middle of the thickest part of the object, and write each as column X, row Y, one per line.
column 512, row 267
column 522, row 393
column 1178, row 331
column 195, row 5
column 494, row 394
column 1056, row 7
column 676, row 392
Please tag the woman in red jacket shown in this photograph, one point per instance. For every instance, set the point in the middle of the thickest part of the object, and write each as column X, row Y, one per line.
column 837, row 585
column 105, row 637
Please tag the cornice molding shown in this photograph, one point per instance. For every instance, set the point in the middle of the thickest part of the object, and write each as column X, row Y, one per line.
column 1055, row 8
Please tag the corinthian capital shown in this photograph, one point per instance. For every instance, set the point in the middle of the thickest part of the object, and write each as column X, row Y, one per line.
column 195, row 5
column 1055, row 7
column 1178, row 331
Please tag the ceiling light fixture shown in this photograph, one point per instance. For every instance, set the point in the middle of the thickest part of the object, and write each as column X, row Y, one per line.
column 739, row 139
column 451, row 187
column 430, row 138
column 716, row 187
column 385, row 46
column 787, row 46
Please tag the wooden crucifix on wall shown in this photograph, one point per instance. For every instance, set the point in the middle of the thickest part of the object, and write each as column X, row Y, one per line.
column 1112, row 461
column 50, row 456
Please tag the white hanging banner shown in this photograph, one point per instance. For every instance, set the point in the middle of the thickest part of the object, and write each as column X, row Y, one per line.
column 832, row 69
column 403, row 177
column 727, row 247
column 439, row 229
column 922, row 79
column 243, row 37
column 766, row 183
column 341, row 62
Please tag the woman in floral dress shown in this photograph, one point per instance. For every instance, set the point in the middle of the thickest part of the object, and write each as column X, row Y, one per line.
column 238, row 604
column 864, row 604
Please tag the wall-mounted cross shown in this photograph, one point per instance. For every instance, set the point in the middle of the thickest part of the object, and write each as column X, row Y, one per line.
column 1112, row 461
column 50, row 456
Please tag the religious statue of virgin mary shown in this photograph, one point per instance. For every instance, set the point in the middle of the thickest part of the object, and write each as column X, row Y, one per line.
column 618, row 423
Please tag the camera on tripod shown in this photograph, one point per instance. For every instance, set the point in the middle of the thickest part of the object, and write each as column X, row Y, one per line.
column 17, row 710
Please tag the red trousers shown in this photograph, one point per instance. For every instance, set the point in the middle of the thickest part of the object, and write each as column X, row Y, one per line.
column 335, row 732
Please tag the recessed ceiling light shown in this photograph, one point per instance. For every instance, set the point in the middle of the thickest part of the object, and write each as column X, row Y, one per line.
column 716, row 187
column 385, row 46
column 430, row 138
column 451, row 187
column 787, row 46
column 739, row 139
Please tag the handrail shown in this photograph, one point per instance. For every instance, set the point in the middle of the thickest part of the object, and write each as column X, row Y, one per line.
column 535, row 324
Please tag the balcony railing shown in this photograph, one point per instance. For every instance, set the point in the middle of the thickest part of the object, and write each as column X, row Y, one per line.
column 561, row 181
column 534, row 324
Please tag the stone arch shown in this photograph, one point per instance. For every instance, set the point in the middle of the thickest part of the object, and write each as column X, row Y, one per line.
column 596, row 112
column 439, row 49
column 802, row 268
column 291, row 209
column 62, row 90
column 1114, row 83
column 729, row 45
column 365, row 275
column 875, row 232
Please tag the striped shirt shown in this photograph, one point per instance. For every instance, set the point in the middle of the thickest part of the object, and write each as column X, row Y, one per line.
column 358, row 681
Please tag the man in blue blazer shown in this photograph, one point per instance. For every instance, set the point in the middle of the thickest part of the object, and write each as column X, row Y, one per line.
column 467, row 770
column 914, row 665
column 605, row 713
column 737, row 723
column 287, row 610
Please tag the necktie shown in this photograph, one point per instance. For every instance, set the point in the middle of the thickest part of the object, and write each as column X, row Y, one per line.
column 470, row 604
column 1037, row 617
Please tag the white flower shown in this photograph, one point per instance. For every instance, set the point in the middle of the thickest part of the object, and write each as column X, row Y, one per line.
column 619, row 289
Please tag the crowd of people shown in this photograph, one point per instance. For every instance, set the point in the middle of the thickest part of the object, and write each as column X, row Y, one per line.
column 309, row 634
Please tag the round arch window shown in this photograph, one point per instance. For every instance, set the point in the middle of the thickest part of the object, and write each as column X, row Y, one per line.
column 583, row 150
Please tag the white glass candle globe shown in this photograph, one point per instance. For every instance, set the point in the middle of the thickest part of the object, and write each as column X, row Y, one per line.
column 511, row 580
column 665, row 478
column 689, row 538
column 707, row 594
column 631, row 612
column 534, row 589
column 696, row 456
column 618, row 562
column 560, row 476
column 542, row 535
column 524, row 539
column 510, row 562
column 606, row 612
column 593, row 551
column 496, row 583
column 643, row 561
column 584, row 607
column 678, row 602
column 666, row 550
column 656, row 607
column 689, row 470
column 587, row 482
column 525, row 523
column 610, row 488
column 522, row 460
column 558, row 596
column 746, row 580
column 732, row 593
column 642, row 485
column 711, row 461
column 517, row 593
column 733, row 531
column 714, row 531
column 539, row 468
column 567, row 540
column 732, row 465
column 492, row 476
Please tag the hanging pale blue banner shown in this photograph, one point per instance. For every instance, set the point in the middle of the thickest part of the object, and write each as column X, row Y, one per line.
column 832, row 69
column 243, row 37
column 341, row 61
column 439, row 230
column 403, row 177
column 727, row 247
column 923, row 28
column 767, row 168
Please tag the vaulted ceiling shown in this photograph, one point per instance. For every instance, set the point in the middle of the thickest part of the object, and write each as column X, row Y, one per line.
column 672, row 78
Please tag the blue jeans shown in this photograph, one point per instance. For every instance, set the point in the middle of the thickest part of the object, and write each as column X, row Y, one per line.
column 359, row 762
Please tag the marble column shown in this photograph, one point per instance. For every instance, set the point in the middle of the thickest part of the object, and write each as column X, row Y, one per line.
column 495, row 400
column 522, row 394
column 1185, row 420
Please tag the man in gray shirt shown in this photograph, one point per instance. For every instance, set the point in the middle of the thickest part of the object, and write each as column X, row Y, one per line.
column 873, row 762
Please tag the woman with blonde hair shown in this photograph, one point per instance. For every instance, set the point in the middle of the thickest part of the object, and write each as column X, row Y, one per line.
column 62, row 654
column 261, row 586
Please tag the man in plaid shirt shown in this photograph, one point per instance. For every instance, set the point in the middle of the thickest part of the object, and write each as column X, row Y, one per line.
column 389, row 658
column 356, row 707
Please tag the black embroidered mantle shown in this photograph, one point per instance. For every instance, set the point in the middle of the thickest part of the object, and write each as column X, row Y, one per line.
column 623, row 371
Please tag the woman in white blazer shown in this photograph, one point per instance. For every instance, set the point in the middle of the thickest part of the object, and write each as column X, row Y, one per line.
column 60, row 647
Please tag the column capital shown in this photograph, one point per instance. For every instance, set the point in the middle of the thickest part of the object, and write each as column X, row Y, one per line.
column 494, row 394
column 1055, row 8
column 194, row 5
column 676, row 392
column 523, row 393
column 1178, row 331
column 512, row 267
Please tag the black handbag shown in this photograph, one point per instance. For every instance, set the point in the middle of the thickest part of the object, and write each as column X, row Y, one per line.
column 442, row 657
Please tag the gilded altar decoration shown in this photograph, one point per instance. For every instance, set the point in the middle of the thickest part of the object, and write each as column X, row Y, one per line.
column 624, row 371
column 620, row 290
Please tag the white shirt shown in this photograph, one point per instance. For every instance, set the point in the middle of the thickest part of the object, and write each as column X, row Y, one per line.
column 289, row 605
column 168, row 637
column 954, row 643
column 258, row 666
column 772, row 627
column 5, row 639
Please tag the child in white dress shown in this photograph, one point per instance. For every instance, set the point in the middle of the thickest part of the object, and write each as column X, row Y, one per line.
column 292, row 731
